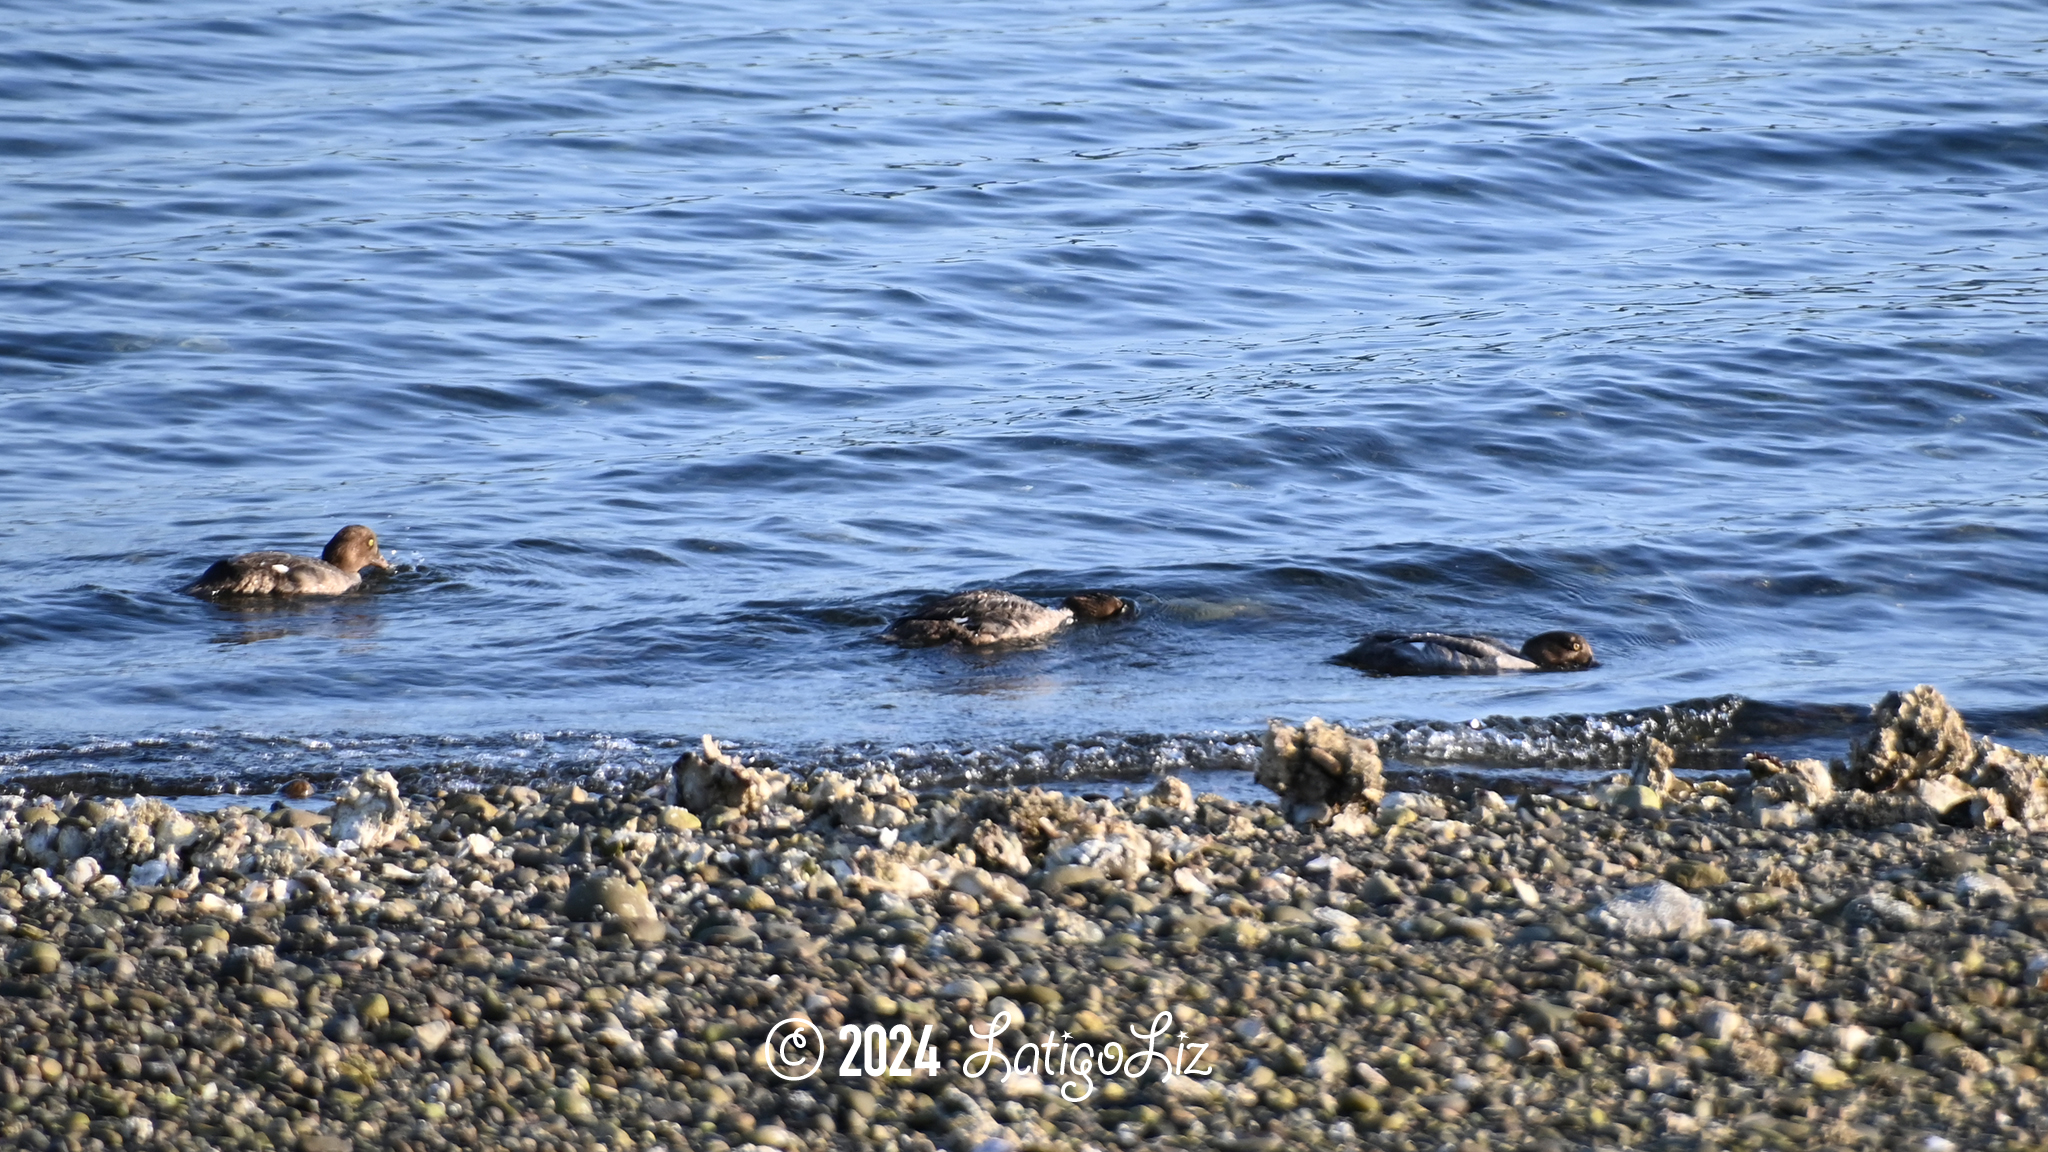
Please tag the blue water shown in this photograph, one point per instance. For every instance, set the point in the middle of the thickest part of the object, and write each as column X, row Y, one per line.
column 674, row 349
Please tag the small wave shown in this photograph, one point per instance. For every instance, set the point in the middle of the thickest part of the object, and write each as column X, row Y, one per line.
column 1709, row 734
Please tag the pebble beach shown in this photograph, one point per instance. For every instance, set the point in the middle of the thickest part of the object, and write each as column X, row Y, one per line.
column 1813, row 955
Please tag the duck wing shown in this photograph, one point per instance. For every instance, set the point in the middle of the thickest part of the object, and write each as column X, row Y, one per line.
column 914, row 632
column 1433, row 654
column 273, row 574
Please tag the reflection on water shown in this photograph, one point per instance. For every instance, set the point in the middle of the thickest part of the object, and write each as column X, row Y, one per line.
column 256, row 619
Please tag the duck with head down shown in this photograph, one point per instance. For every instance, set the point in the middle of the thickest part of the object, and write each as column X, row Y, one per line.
column 988, row 616
column 1443, row 654
column 338, row 570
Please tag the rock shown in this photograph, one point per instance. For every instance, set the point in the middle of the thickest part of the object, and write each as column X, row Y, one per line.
column 999, row 849
column 1243, row 933
column 1952, row 865
column 985, row 885
column 1351, row 820
column 264, row 996
column 1471, row 928
column 1749, row 1059
column 431, row 1035
column 1783, row 817
column 474, row 805
column 1636, row 798
column 1942, row 795
column 572, row 1104
column 38, row 957
column 369, row 813
column 2018, row 779
column 1851, row 808
column 645, row 931
column 1407, row 807
column 1382, row 889
column 1547, row 1017
column 1117, row 849
column 1818, row 1070
column 1319, row 770
column 709, row 780
column 1983, row 890
column 1721, row 1023
column 1058, row 879
column 1172, row 794
column 1912, row 735
column 594, row 897
column 1881, row 910
column 1693, row 875
column 1334, row 869
column 1653, row 769
column 1659, row 911
column 1774, row 781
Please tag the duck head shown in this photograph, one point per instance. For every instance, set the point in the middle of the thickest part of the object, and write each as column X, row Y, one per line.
column 353, row 549
column 1558, row 651
column 1097, row 606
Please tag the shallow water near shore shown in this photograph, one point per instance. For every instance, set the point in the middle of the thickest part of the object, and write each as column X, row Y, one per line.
column 673, row 353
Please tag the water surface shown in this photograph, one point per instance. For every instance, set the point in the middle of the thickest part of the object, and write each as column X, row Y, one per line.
column 675, row 349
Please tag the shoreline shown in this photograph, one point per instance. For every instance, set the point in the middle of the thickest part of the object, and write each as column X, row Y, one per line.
column 1652, row 963
column 1712, row 734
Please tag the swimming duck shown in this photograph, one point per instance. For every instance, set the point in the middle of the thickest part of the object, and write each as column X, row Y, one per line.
column 989, row 616
column 1441, row 654
column 338, row 570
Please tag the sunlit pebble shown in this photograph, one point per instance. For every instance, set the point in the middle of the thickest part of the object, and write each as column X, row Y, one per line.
column 298, row 789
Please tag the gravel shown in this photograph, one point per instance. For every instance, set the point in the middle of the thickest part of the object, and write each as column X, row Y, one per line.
column 531, row 970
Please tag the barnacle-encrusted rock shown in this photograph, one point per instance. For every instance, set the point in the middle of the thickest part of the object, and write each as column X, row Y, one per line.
column 998, row 848
column 1319, row 770
column 1115, row 846
column 369, row 813
column 2018, row 780
column 710, row 780
column 1852, row 808
column 896, row 869
column 1775, row 781
column 1912, row 735
column 223, row 848
column 1916, row 763
column 1653, row 764
column 1170, row 802
column 1785, row 794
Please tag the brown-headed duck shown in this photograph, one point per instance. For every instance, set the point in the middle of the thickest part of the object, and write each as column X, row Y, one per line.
column 1441, row 654
column 338, row 570
column 989, row 616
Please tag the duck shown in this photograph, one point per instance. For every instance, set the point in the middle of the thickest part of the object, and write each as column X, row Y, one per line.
column 338, row 570
column 992, row 616
column 1443, row 654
